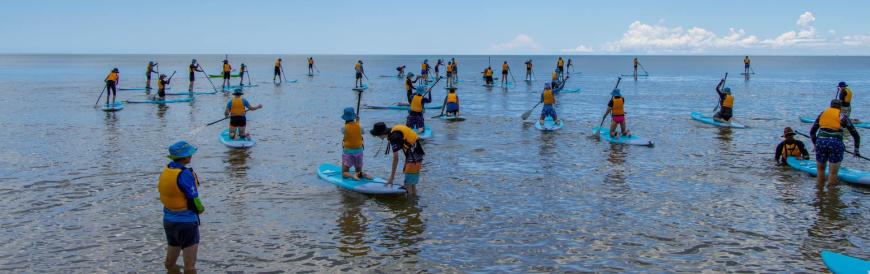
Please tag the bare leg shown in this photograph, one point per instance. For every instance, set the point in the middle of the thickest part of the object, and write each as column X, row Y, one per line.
column 622, row 129
column 834, row 169
column 232, row 132
column 612, row 129
column 345, row 173
column 412, row 190
column 820, row 171
column 190, row 259
column 242, row 133
column 172, row 253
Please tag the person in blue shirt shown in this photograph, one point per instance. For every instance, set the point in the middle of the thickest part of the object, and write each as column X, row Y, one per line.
column 179, row 194
column 236, row 109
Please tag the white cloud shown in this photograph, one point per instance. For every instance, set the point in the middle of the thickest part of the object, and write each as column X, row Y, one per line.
column 647, row 38
column 579, row 49
column 520, row 43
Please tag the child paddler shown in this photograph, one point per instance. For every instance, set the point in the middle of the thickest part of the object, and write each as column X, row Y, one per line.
column 353, row 146
column 179, row 194
column 405, row 139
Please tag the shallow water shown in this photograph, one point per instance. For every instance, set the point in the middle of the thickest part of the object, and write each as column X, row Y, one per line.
column 497, row 195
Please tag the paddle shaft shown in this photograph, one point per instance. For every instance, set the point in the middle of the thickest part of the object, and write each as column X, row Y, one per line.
column 101, row 95
column 202, row 69
column 618, row 80
column 718, row 101
column 218, row 121
column 859, row 156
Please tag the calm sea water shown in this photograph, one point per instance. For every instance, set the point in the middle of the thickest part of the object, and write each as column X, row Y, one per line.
column 78, row 184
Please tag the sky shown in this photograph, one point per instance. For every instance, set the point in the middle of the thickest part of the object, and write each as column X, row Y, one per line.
column 626, row 27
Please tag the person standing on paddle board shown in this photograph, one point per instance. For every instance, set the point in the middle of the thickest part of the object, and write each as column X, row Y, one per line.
column 790, row 147
column 112, row 80
column 360, row 71
column 844, row 94
column 415, row 113
column 455, row 67
column 726, row 103
column 560, row 67
column 353, row 146
column 549, row 109
column 310, row 65
column 452, row 108
column 192, row 69
column 178, row 186
column 409, row 86
column 450, row 77
column 505, row 69
column 746, row 65
column 827, row 135
column 529, row 70
column 162, row 83
column 243, row 69
column 570, row 66
column 424, row 71
column 227, row 69
column 277, row 74
column 616, row 109
column 401, row 71
column 236, row 110
column 148, row 71
column 405, row 139
column 554, row 80
column 438, row 65
column 635, row 63
column 487, row 76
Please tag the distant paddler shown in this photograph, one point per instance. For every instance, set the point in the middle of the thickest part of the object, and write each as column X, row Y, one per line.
column 162, row 83
column 310, row 66
column 505, row 69
column 112, row 80
column 635, row 63
column 409, row 86
column 424, row 70
column 438, row 65
column 243, row 69
column 401, row 71
column 487, row 76
column 746, row 63
column 844, row 94
column 192, row 69
column 616, row 109
column 560, row 68
column 827, row 135
column 549, row 109
column 529, row 70
column 360, row 72
column 405, row 139
column 570, row 66
column 790, row 147
column 455, row 67
column 236, row 110
column 226, row 69
column 150, row 69
column 726, row 103
column 278, row 72
column 450, row 74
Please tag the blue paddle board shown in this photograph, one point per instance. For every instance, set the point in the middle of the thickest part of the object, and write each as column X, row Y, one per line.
column 160, row 102
column 377, row 186
column 238, row 143
column 604, row 133
column 116, row 106
column 427, row 133
column 141, row 89
column 549, row 125
column 842, row 264
column 192, row 93
column 399, row 107
column 451, row 118
column 855, row 122
column 709, row 120
column 845, row 174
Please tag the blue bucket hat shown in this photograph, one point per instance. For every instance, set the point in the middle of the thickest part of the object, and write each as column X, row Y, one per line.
column 547, row 86
column 238, row 91
column 181, row 149
column 842, row 85
column 616, row 92
column 727, row 90
column 349, row 114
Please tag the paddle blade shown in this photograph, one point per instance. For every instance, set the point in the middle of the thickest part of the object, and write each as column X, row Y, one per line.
column 526, row 114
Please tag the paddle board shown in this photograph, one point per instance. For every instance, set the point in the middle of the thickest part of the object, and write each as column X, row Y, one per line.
column 632, row 75
column 842, row 264
column 576, row 90
column 807, row 120
column 709, row 120
column 451, row 118
column 399, row 107
column 377, row 186
column 192, row 93
column 116, row 106
column 141, row 89
column 221, row 76
column 810, row 120
column 427, row 133
column 291, row 81
column 239, row 143
column 549, row 125
column 845, row 174
column 604, row 133
column 160, row 102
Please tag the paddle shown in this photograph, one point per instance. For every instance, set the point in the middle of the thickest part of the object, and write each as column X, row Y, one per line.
column 283, row 77
column 723, row 85
column 101, row 95
column 529, row 112
column 643, row 68
column 249, row 78
column 512, row 75
column 218, row 121
column 597, row 130
column 201, row 69
column 859, row 156
column 443, row 105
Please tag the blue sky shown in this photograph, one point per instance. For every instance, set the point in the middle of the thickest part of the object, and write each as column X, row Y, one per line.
column 438, row 27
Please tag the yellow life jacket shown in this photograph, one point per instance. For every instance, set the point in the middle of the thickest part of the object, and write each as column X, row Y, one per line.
column 409, row 135
column 791, row 151
column 227, row 68
column 170, row 195
column 113, row 76
column 450, row 68
column 353, row 137
column 452, row 98
column 417, row 103
column 560, row 63
column 310, row 61
column 277, row 63
column 848, row 99
column 191, row 68
column 549, row 99
column 237, row 107
column 150, row 68
column 555, row 76
column 504, row 68
column 618, row 106
column 528, row 65
column 746, row 61
column 830, row 119
column 424, row 66
column 358, row 67
column 487, row 72
column 161, row 84
column 728, row 102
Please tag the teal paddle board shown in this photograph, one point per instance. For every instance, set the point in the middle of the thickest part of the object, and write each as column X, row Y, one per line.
column 140, row 89
column 451, row 118
column 709, row 120
column 842, row 264
column 221, row 75
column 549, row 125
column 116, row 106
column 237, row 143
column 576, row 90
column 376, row 186
column 604, row 133
column 399, row 107
column 844, row 174
column 427, row 133
column 160, row 102
column 192, row 93
column 855, row 122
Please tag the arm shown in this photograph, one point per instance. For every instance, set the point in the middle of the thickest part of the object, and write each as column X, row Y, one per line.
column 778, row 155
column 227, row 110
column 856, row 138
column 394, row 165
column 719, row 87
column 815, row 129
column 187, row 185
column 803, row 149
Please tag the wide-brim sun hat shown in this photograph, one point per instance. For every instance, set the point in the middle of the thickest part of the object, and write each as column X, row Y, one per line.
column 349, row 114
column 181, row 149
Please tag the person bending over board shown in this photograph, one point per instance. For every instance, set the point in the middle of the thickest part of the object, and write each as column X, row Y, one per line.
column 112, row 80
column 236, row 109
column 353, row 146
column 148, row 71
column 790, row 147
column 505, row 69
column 746, row 65
column 827, row 135
column 358, row 68
column 226, row 73
column 162, row 83
column 400, row 71
column 450, row 77
column 487, row 76
column 405, row 139
column 178, row 186
column 277, row 70
column 310, row 65
column 415, row 113
column 726, row 103
column 424, row 70
column 529, row 70
column 192, row 69
column 549, row 100
column 616, row 109
column 452, row 108
column 844, row 94
column 560, row 67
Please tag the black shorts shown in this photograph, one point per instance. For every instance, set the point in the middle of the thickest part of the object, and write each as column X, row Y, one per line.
column 181, row 235
column 358, row 75
column 227, row 75
column 277, row 70
column 148, row 76
column 238, row 121
column 310, row 65
column 192, row 77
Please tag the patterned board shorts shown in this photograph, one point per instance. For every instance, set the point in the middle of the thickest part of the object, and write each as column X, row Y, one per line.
column 415, row 121
column 548, row 111
column 829, row 150
column 352, row 159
